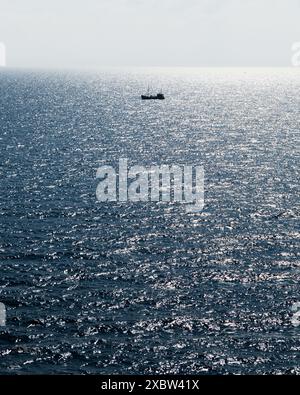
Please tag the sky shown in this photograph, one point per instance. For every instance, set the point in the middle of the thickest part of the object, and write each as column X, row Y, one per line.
column 169, row 33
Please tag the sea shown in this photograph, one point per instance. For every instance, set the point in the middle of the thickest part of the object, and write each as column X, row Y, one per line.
column 95, row 287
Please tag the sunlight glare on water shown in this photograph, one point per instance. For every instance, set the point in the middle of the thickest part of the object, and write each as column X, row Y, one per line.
column 145, row 288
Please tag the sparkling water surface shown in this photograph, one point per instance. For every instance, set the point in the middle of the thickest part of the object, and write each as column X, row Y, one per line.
column 95, row 287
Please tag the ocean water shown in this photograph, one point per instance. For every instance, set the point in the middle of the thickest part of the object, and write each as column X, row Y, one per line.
column 108, row 288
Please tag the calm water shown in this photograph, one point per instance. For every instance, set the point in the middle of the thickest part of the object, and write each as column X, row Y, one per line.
column 146, row 288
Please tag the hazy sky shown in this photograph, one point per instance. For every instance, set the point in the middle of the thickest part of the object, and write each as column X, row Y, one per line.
column 100, row 33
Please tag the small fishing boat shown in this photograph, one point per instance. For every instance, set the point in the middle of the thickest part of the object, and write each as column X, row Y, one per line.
column 159, row 96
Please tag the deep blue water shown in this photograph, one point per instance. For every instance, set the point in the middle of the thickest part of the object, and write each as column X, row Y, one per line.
column 143, row 287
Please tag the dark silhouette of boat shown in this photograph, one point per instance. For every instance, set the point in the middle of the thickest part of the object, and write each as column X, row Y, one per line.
column 159, row 96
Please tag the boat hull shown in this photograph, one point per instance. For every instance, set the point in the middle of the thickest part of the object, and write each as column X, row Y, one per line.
column 157, row 97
